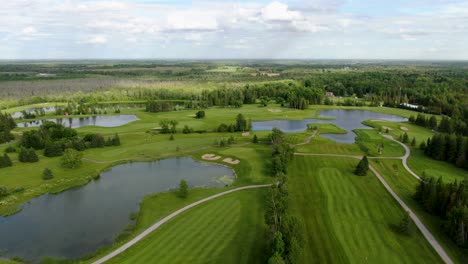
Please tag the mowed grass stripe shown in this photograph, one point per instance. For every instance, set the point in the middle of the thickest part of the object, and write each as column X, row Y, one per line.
column 350, row 217
column 205, row 233
column 179, row 246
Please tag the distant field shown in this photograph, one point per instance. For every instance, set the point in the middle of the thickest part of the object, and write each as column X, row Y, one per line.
column 225, row 230
column 350, row 219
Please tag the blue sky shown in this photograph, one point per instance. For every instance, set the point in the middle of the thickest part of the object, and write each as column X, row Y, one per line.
column 162, row 29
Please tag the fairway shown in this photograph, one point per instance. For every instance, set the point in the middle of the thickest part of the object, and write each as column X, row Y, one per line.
column 225, row 230
column 350, row 219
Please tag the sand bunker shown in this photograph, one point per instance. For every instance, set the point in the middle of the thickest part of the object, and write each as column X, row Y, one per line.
column 275, row 110
column 385, row 128
column 210, row 157
column 404, row 128
column 246, row 134
column 231, row 161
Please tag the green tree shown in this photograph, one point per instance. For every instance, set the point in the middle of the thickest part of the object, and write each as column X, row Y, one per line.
column 183, row 189
column 71, row 158
column 5, row 161
column 413, row 142
column 241, row 123
column 255, row 139
column 171, row 137
column 405, row 138
column 200, row 114
column 116, row 140
column 47, row 174
column 53, row 149
column 362, row 167
column 403, row 227
column 276, row 259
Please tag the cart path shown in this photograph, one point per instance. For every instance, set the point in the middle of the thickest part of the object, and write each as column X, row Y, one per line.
column 427, row 234
column 167, row 218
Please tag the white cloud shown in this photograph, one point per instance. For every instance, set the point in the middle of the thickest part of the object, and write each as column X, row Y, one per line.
column 193, row 20
column 277, row 11
column 96, row 40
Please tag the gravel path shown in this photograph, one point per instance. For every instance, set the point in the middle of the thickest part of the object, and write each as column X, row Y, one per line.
column 166, row 219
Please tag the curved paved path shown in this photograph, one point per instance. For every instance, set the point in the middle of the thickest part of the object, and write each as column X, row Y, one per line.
column 167, row 218
column 405, row 157
column 427, row 234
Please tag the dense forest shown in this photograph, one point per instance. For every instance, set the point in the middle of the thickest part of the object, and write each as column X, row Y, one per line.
column 437, row 88
column 449, row 201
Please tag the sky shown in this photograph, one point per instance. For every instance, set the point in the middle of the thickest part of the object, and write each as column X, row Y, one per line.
column 264, row 29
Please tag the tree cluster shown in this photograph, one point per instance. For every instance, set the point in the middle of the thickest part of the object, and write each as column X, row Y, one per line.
column 447, row 147
column 285, row 230
column 55, row 138
column 446, row 124
column 159, row 106
column 282, row 152
column 449, row 201
column 241, row 125
column 7, row 123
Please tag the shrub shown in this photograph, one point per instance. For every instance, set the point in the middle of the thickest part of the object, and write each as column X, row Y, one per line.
column 47, row 174
column 10, row 149
column 28, row 155
column 200, row 114
column 5, row 161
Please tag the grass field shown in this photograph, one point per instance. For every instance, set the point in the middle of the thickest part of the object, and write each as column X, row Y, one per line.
column 404, row 185
column 371, row 140
column 225, row 230
column 350, row 219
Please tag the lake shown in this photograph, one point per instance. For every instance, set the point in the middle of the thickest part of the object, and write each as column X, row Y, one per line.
column 345, row 119
column 80, row 220
column 75, row 122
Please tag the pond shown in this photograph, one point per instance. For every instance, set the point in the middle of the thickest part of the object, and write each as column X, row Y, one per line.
column 102, row 121
column 80, row 220
column 345, row 119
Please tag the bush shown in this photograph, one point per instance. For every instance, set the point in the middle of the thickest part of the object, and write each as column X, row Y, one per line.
column 3, row 191
column 28, row 155
column 47, row 174
column 200, row 114
column 10, row 149
column 187, row 130
column 5, row 161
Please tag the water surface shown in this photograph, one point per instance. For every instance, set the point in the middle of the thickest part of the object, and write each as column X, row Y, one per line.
column 345, row 119
column 80, row 220
column 75, row 122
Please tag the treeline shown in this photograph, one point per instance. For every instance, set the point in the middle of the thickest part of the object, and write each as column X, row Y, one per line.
column 282, row 152
column 447, row 147
column 449, row 201
column 7, row 123
column 54, row 139
column 285, row 239
column 446, row 124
